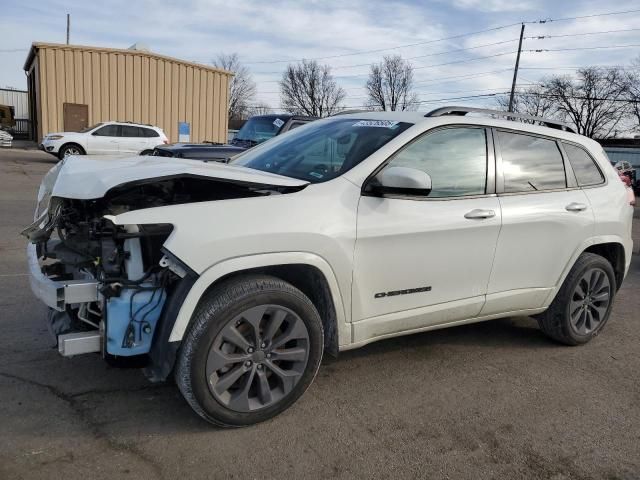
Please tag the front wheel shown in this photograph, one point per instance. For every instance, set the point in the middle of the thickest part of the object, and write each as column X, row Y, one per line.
column 70, row 149
column 583, row 304
column 253, row 348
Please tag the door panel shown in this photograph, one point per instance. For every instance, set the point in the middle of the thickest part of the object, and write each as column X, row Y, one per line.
column 545, row 219
column 132, row 140
column 539, row 236
column 104, row 141
column 430, row 245
column 427, row 261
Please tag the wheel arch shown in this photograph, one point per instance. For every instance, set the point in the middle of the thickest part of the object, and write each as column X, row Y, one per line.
column 308, row 272
column 66, row 144
column 615, row 255
column 611, row 247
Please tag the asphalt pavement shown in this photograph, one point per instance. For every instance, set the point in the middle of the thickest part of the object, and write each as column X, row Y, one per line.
column 489, row 400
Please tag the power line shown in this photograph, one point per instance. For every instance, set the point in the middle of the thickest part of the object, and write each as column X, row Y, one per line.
column 435, row 80
column 429, row 54
column 544, row 37
column 501, row 27
column 362, row 52
column 414, row 68
column 522, row 85
column 438, row 64
column 424, row 101
column 542, row 50
column 549, row 20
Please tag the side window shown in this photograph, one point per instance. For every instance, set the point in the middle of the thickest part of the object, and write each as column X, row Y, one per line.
column 587, row 173
column 530, row 163
column 129, row 131
column 454, row 158
column 108, row 131
column 149, row 133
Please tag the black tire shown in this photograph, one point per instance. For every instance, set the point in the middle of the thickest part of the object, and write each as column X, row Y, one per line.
column 217, row 312
column 146, row 152
column 557, row 321
column 70, row 149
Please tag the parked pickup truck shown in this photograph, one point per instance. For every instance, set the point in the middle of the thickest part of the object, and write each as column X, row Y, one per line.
column 256, row 130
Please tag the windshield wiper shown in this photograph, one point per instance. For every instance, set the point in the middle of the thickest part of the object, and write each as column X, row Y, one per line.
column 243, row 140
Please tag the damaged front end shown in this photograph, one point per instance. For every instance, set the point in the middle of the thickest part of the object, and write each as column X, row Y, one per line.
column 114, row 288
column 106, row 285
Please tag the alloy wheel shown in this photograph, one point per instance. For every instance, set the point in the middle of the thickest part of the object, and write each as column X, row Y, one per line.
column 590, row 301
column 71, row 151
column 257, row 358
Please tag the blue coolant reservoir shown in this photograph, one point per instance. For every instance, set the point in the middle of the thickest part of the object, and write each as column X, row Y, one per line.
column 132, row 318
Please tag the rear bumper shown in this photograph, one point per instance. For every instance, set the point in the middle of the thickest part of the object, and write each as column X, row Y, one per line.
column 58, row 294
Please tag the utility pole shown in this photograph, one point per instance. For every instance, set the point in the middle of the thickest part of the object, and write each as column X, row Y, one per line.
column 69, row 26
column 515, row 70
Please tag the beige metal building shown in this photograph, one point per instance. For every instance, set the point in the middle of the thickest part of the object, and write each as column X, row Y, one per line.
column 72, row 86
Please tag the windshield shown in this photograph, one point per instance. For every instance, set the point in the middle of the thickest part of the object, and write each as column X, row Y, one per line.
column 259, row 129
column 88, row 129
column 320, row 151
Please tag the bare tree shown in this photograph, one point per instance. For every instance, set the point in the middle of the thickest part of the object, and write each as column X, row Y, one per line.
column 633, row 79
column 309, row 88
column 530, row 101
column 390, row 85
column 242, row 88
column 260, row 108
column 595, row 102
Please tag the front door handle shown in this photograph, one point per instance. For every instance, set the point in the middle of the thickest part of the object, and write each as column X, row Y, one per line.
column 575, row 207
column 479, row 213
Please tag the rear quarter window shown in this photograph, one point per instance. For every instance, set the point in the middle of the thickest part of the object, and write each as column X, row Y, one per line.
column 530, row 163
column 148, row 132
column 585, row 168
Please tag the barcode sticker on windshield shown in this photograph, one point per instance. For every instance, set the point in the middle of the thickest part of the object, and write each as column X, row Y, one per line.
column 278, row 123
column 376, row 123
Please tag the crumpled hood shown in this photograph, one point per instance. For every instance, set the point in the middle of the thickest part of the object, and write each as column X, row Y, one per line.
column 91, row 177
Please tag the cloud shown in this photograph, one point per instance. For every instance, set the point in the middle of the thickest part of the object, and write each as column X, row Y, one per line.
column 198, row 30
column 495, row 5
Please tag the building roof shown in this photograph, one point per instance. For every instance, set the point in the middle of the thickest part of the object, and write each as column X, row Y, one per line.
column 620, row 142
column 35, row 46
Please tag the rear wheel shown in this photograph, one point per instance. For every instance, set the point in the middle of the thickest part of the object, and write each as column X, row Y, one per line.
column 70, row 149
column 253, row 348
column 583, row 304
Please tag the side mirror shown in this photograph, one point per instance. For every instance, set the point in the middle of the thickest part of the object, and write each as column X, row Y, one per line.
column 400, row 181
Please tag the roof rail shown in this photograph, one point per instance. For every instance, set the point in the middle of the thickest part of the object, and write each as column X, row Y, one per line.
column 347, row 112
column 439, row 112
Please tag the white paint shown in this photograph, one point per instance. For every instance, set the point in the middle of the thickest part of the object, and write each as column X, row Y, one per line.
column 478, row 269
column 95, row 144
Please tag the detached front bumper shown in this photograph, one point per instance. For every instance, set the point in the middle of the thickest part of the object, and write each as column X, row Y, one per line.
column 58, row 294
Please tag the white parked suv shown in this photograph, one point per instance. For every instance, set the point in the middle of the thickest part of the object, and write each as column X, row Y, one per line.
column 107, row 138
column 235, row 278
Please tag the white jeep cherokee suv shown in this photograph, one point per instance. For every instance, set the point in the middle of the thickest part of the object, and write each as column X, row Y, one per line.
column 107, row 138
column 235, row 278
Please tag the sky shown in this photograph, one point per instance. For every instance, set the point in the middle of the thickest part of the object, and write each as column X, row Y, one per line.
column 347, row 35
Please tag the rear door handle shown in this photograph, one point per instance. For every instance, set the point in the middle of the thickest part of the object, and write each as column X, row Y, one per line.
column 575, row 207
column 479, row 213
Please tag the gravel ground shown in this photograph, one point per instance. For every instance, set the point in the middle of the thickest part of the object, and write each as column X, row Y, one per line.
column 491, row 400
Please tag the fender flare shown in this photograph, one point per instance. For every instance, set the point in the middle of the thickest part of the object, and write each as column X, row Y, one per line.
column 238, row 264
column 595, row 240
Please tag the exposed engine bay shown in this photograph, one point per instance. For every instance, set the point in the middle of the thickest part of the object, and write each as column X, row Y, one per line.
column 116, row 279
